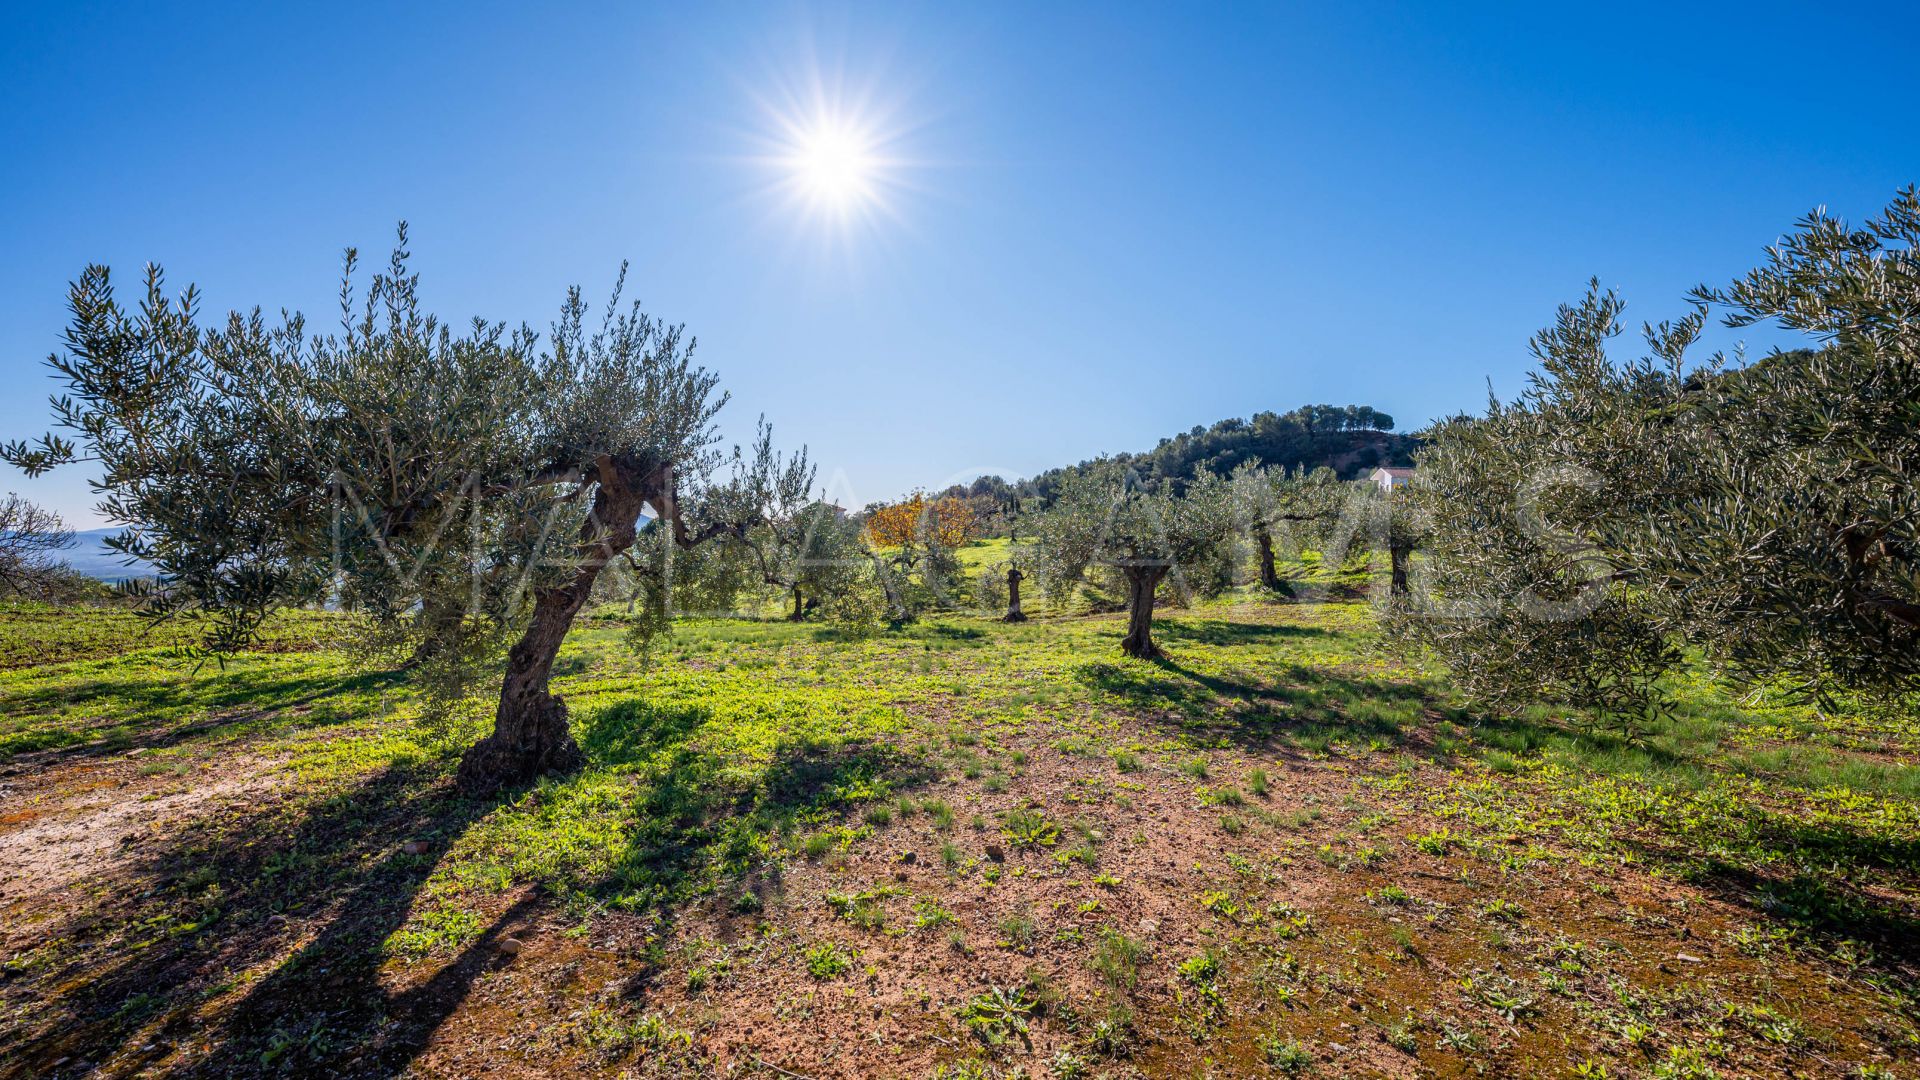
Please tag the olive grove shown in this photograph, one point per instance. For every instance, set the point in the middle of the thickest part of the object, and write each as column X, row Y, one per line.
column 1618, row 513
column 1106, row 519
column 461, row 488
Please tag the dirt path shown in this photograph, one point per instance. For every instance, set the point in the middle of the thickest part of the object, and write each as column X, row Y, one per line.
column 62, row 819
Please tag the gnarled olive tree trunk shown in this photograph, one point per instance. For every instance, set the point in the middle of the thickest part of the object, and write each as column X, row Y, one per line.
column 1142, row 580
column 1014, row 614
column 897, row 613
column 1269, row 571
column 1269, row 576
column 1398, row 555
column 530, row 733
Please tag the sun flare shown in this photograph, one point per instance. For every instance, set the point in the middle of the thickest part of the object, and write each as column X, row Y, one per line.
column 834, row 164
column 838, row 165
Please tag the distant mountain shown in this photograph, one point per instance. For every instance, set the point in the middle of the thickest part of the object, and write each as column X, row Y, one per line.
column 90, row 555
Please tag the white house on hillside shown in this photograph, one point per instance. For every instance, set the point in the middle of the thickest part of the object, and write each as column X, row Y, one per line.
column 1388, row 477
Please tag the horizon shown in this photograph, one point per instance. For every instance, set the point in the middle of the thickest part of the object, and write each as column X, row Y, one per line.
column 929, row 244
column 1436, row 615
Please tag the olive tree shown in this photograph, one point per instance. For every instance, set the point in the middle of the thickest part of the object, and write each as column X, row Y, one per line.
column 465, row 485
column 1284, row 509
column 815, row 555
column 1402, row 529
column 774, row 534
column 1519, row 596
column 1015, row 576
column 1375, row 520
column 1803, row 550
column 912, row 548
column 996, row 589
column 1584, row 534
column 1105, row 516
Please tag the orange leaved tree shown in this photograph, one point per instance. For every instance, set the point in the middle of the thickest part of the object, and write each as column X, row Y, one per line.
column 911, row 546
column 948, row 522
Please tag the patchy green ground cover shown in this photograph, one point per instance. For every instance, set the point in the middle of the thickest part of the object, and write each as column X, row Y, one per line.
column 964, row 849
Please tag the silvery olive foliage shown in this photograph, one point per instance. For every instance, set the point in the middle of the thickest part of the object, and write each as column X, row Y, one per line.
column 771, row 540
column 1106, row 518
column 916, row 569
column 1282, row 512
column 245, row 458
column 990, row 588
column 1806, row 544
column 1581, row 537
column 461, row 487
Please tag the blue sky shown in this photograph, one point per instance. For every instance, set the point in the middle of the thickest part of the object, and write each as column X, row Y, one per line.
column 1091, row 225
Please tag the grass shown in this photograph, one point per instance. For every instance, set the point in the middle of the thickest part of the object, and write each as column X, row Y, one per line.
column 1557, row 872
column 1029, row 828
column 1117, row 959
column 1018, row 932
column 826, row 960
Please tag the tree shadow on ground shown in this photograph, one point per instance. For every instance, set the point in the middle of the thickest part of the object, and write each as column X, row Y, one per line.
column 1334, row 592
column 296, row 900
column 243, row 703
column 701, row 823
column 631, row 731
column 1521, row 735
column 1837, row 881
column 1294, row 703
column 1823, row 899
column 1224, row 633
column 228, row 895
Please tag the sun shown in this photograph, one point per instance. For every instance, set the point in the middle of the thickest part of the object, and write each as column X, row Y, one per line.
column 834, row 165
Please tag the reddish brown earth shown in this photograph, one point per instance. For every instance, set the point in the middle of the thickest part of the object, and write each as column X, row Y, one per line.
column 74, row 837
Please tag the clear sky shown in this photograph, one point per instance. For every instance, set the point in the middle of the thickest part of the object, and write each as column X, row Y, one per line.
column 934, row 240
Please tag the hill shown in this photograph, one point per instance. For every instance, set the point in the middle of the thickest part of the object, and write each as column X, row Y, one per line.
column 91, row 556
column 1348, row 439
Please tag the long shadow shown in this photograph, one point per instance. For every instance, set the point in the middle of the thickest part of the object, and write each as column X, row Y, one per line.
column 226, row 896
column 631, row 731
column 1222, row 632
column 1833, row 910
column 1826, row 896
column 249, row 701
column 699, row 822
column 326, row 1009
column 1519, row 735
column 295, row 901
column 1297, row 701
column 209, row 689
column 1833, row 880
column 326, row 1012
